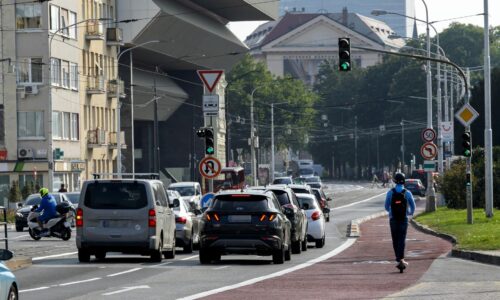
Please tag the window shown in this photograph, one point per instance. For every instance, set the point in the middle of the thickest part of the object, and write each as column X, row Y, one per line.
column 30, row 124
column 72, row 29
column 66, row 122
column 74, row 127
column 65, row 74
column 55, row 73
column 29, row 70
column 114, row 195
column 54, row 18
column 73, row 76
column 29, row 16
column 56, row 125
column 65, row 125
column 63, row 20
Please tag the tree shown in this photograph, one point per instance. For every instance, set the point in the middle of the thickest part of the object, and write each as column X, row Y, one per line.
column 14, row 192
column 27, row 189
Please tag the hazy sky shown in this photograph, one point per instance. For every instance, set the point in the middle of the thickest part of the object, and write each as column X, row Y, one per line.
column 438, row 10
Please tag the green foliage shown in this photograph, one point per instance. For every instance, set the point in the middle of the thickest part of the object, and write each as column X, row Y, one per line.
column 452, row 185
column 28, row 189
column 483, row 234
column 14, row 192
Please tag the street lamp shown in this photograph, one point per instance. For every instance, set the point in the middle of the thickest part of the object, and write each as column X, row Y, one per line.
column 252, row 139
column 272, row 138
column 118, row 116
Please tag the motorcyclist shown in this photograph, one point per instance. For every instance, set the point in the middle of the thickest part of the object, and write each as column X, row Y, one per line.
column 47, row 207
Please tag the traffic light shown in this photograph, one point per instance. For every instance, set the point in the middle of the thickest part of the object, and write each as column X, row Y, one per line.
column 466, row 144
column 208, row 134
column 344, row 54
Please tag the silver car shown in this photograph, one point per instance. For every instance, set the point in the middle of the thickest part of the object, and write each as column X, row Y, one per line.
column 127, row 215
column 187, row 225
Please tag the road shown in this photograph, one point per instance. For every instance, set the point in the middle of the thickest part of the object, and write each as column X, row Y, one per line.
column 56, row 273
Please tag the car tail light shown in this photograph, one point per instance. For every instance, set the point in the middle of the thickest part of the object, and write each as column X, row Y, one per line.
column 316, row 215
column 152, row 218
column 212, row 217
column 180, row 220
column 79, row 217
column 268, row 217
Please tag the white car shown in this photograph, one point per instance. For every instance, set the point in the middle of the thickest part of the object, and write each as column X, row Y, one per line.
column 315, row 219
column 190, row 192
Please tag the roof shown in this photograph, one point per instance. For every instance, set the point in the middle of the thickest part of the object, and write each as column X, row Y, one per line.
column 185, row 183
column 244, row 192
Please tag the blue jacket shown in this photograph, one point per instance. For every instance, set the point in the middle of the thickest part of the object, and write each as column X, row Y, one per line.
column 48, row 206
column 409, row 197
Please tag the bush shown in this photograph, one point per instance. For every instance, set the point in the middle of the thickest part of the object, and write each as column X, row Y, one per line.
column 452, row 185
column 14, row 192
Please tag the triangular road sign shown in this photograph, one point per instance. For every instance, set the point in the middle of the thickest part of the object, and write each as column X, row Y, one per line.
column 210, row 78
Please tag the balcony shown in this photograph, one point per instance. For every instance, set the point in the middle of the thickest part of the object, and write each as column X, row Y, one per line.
column 96, row 138
column 113, row 86
column 95, row 85
column 95, row 30
column 114, row 37
column 113, row 142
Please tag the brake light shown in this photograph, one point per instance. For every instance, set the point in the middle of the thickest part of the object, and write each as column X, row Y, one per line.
column 240, row 196
column 152, row 218
column 181, row 220
column 263, row 217
column 270, row 217
column 212, row 216
column 316, row 215
column 216, row 217
column 79, row 217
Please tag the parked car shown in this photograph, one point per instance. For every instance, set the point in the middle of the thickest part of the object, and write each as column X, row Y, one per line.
column 294, row 213
column 306, row 172
column 190, row 192
column 415, row 186
column 73, row 197
column 187, row 225
column 301, row 189
column 314, row 182
column 283, row 180
column 315, row 219
column 34, row 199
column 245, row 222
column 8, row 284
column 323, row 201
column 126, row 215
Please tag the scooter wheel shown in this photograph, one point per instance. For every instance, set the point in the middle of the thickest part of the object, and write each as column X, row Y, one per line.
column 66, row 234
column 33, row 235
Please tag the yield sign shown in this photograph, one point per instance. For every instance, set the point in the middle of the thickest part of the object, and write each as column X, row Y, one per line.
column 210, row 78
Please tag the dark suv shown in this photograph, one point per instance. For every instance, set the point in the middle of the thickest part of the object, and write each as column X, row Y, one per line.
column 244, row 222
column 295, row 214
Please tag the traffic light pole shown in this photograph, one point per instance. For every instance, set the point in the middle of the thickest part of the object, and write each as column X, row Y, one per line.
column 468, row 187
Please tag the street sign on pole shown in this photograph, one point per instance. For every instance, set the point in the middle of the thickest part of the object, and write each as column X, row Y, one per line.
column 210, row 103
column 210, row 167
column 210, row 78
column 430, row 166
column 428, row 135
column 428, row 151
column 466, row 115
column 447, row 132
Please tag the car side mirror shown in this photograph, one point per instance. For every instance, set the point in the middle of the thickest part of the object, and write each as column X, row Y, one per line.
column 19, row 205
column 6, row 254
column 176, row 203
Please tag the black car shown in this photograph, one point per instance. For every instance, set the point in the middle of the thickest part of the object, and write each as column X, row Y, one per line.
column 295, row 214
column 244, row 222
column 35, row 199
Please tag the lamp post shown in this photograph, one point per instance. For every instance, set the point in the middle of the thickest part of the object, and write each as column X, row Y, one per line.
column 272, row 138
column 118, row 116
column 252, row 139
column 488, row 133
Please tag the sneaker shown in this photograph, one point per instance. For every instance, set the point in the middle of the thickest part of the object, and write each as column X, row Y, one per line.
column 404, row 262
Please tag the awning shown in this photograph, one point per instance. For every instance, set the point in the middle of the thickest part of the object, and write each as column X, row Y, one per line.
column 242, row 10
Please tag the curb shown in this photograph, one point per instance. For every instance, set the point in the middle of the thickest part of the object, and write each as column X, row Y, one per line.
column 18, row 263
column 353, row 229
column 430, row 231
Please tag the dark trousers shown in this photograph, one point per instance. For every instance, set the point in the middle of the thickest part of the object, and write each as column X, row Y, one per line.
column 398, row 233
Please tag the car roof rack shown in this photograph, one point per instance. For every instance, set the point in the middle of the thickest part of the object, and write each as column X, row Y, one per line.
column 127, row 175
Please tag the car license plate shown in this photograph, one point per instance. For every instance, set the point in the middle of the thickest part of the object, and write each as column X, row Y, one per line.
column 114, row 223
column 240, row 219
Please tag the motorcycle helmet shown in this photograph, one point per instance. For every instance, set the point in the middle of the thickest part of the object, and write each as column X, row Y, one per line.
column 43, row 192
column 399, row 178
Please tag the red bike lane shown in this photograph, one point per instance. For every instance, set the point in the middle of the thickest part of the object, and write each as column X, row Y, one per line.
column 366, row 270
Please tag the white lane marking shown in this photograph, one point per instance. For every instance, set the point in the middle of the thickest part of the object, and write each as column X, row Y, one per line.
column 127, row 289
column 35, row 289
column 159, row 265
column 124, row 272
column 191, row 257
column 80, row 281
column 311, row 262
column 21, row 236
column 53, row 256
column 220, row 268
column 355, row 203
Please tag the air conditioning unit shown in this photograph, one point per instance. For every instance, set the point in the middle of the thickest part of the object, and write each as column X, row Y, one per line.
column 24, row 153
column 31, row 89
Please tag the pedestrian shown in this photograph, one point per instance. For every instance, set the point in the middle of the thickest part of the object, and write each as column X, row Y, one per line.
column 384, row 179
column 62, row 189
column 374, row 180
column 400, row 204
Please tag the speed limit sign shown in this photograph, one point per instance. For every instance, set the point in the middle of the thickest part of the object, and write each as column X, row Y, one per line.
column 428, row 135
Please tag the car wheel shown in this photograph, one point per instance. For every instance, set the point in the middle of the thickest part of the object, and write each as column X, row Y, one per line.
column 205, row 256
column 12, row 295
column 279, row 256
column 156, row 255
column 33, row 235
column 188, row 247
column 100, row 255
column 320, row 243
column 304, row 244
column 19, row 228
column 171, row 253
column 296, row 247
column 66, row 234
column 83, row 256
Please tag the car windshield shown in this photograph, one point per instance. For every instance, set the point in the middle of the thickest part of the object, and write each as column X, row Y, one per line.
column 73, row 197
column 183, row 190
column 306, row 172
column 307, row 201
column 240, row 203
column 33, row 200
column 282, row 197
column 116, row 195
column 282, row 181
column 313, row 180
column 299, row 180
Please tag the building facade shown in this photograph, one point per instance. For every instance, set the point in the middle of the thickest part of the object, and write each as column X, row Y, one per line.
column 403, row 26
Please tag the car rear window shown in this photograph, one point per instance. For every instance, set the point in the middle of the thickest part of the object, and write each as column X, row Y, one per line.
column 311, row 203
column 411, row 186
column 282, row 181
column 301, row 191
column 238, row 203
column 116, row 195
column 282, row 197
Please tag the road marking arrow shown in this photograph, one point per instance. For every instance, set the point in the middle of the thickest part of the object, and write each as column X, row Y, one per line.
column 127, row 289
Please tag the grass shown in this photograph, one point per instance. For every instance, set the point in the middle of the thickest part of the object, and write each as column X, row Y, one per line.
column 483, row 234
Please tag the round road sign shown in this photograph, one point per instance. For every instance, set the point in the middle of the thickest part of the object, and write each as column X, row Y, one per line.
column 210, row 167
column 428, row 151
column 428, row 135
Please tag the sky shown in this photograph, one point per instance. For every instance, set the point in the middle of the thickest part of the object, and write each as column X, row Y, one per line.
column 438, row 10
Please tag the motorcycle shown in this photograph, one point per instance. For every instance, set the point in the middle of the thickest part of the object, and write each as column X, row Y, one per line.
column 59, row 227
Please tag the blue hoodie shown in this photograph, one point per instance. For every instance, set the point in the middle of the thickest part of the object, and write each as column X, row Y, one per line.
column 48, row 206
column 409, row 197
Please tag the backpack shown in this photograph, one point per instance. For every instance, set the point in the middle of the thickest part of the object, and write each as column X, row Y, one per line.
column 399, row 205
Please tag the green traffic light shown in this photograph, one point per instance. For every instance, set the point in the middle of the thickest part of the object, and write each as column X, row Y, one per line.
column 467, row 153
column 210, row 150
column 344, row 66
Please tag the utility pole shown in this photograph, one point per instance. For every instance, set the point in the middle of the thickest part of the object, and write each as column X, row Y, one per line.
column 356, row 147
column 402, row 145
column 488, row 133
column 272, row 142
column 252, row 140
column 439, row 118
column 156, row 147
